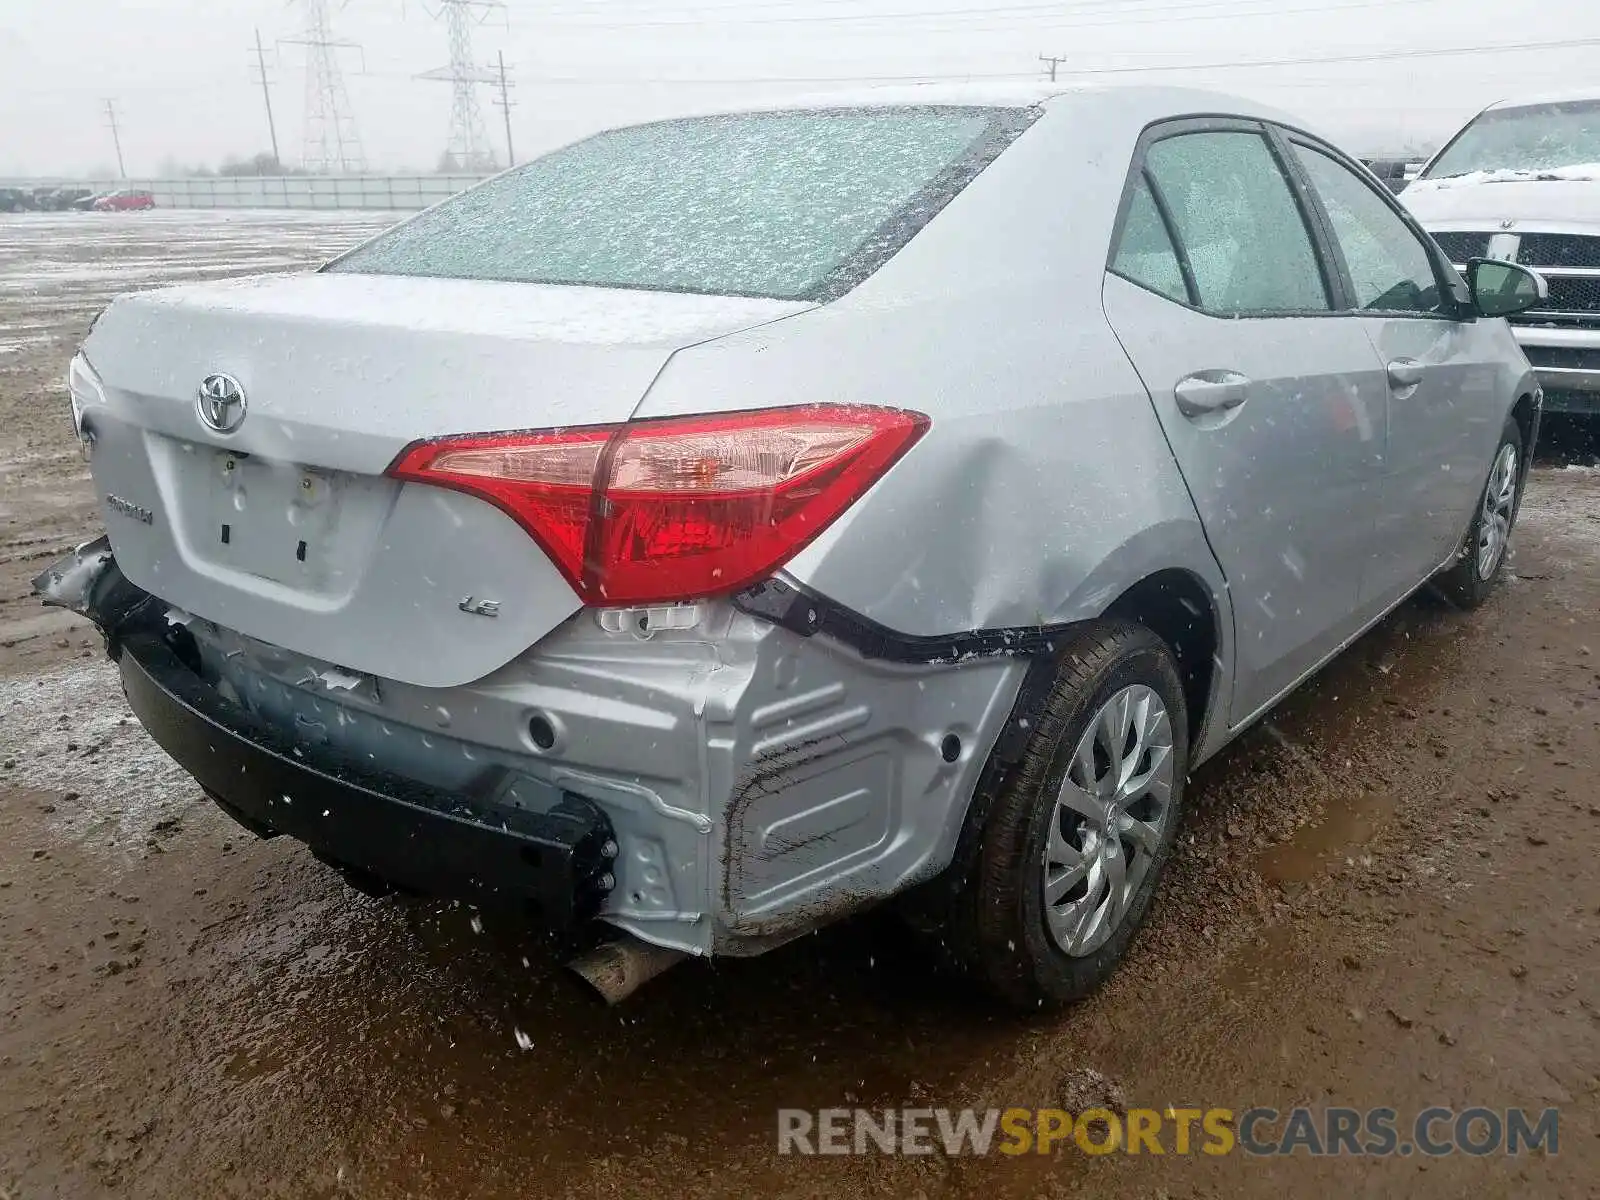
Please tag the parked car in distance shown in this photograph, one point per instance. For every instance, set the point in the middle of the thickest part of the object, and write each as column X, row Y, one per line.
column 892, row 497
column 15, row 200
column 124, row 200
column 87, row 201
column 1391, row 171
column 59, row 199
column 1521, row 182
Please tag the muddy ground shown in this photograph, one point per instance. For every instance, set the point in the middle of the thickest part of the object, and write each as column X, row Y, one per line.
column 1388, row 894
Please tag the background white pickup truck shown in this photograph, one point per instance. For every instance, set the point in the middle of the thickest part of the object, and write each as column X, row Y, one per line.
column 1521, row 182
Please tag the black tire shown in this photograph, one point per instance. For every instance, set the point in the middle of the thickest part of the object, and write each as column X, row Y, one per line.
column 1466, row 584
column 999, row 930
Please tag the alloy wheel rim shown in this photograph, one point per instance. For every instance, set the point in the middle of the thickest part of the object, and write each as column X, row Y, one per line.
column 1499, row 498
column 1108, row 821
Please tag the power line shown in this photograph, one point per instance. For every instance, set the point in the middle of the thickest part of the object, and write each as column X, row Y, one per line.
column 1039, row 15
column 1379, row 56
column 964, row 76
column 790, row 11
column 610, row 7
column 1052, row 61
column 960, row 75
column 1509, row 76
column 116, row 136
column 1125, row 20
column 266, row 96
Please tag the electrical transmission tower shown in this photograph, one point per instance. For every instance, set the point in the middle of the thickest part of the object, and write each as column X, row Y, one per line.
column 467, row 148
column 332, row 142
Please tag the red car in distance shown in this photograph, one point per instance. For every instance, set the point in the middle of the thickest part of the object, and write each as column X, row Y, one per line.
column 125, row 200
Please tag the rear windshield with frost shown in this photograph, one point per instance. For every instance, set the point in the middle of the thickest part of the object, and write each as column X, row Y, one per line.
column 785, row 205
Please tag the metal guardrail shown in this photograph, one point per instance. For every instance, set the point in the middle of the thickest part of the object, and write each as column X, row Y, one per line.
column 402, row 192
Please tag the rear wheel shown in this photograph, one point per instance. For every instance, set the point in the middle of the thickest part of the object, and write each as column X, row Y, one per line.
column 1469, row 582
column 1072, row 847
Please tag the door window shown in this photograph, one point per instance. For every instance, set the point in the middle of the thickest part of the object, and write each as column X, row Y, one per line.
column 1146, row 254
column 1239, row 224
column 1390, row 268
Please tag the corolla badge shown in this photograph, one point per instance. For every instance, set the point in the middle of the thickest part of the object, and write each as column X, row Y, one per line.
column 128, row 508
column 221, row 403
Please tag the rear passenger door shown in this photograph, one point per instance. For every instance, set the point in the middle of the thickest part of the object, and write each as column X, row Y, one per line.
column 1220, row 291
column 1445, row 409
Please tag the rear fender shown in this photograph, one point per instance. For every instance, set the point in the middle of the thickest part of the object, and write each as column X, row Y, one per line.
column 1171, row 545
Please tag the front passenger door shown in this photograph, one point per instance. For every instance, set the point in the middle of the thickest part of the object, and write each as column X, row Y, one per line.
column 1272, row 403
column 1445, row 409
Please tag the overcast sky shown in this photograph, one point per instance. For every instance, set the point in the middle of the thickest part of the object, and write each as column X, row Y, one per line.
column 181, row 70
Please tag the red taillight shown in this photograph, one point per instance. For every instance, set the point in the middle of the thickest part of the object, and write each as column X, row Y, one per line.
column 673, row 509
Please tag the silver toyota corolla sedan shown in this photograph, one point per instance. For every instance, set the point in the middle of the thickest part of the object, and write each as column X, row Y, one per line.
column 721, row 525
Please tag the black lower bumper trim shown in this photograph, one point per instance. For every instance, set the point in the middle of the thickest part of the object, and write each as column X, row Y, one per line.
column 417, row 838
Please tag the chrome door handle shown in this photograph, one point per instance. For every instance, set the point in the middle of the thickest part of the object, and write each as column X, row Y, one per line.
column 1207, row 392
column 1405, row 373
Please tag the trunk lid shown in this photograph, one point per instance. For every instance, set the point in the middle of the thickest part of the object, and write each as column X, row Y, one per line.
column 285, row 528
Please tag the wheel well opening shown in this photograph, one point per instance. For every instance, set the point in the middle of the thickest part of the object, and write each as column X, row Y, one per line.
column 1177, row 608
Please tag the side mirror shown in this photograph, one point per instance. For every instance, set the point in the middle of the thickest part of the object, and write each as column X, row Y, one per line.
column 1503, row 289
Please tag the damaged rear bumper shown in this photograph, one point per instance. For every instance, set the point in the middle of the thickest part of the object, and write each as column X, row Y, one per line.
column 716, row 785
column 558, row 860
column 533, row 845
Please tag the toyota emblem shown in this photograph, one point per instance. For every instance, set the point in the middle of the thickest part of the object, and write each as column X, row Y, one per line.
column 221, row 403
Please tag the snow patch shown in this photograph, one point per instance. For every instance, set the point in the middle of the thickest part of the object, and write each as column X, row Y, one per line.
column 19, row 344
column 120, row 775
column 1569, row 519
column 42, row 275
column 1577, row 173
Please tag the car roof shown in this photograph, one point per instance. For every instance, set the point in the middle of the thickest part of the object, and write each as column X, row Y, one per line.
column 1152, row 102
